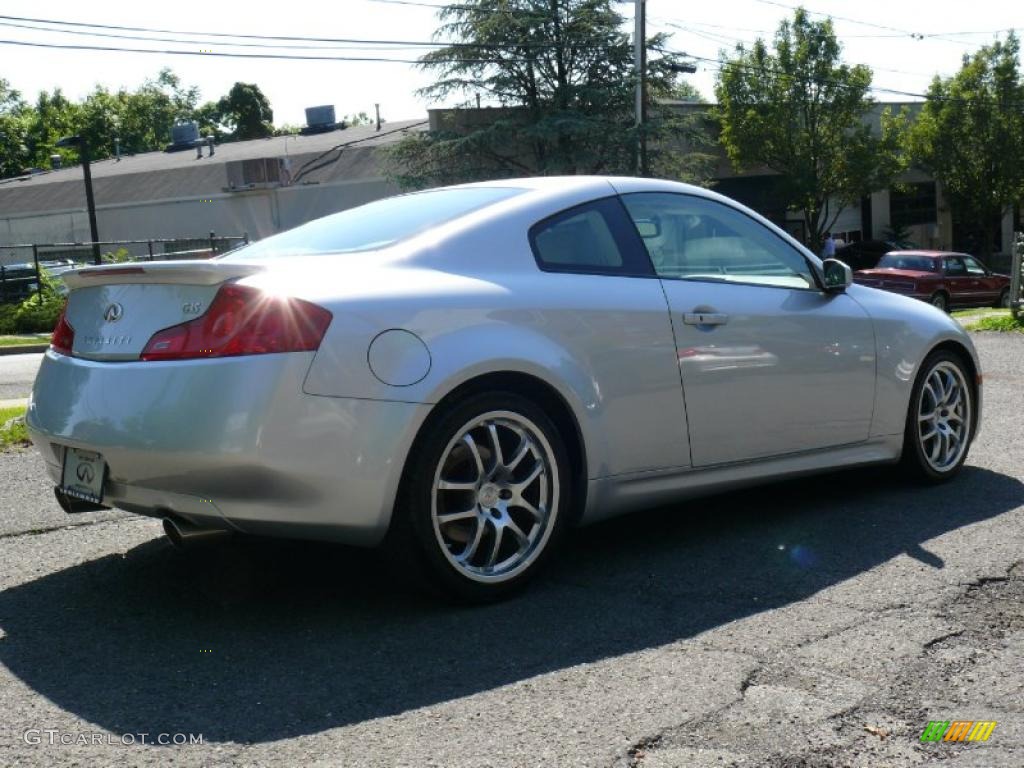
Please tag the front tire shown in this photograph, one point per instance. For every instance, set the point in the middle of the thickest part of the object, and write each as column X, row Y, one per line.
column 940, row 419
column 485, row 497
column 940, row 301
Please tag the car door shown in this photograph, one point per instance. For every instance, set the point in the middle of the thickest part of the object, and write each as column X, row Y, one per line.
column 604, row 305
column 984, row 289
column 771, row 364
column 957, row 281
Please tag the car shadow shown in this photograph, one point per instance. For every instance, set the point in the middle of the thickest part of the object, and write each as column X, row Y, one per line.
column 263, row 641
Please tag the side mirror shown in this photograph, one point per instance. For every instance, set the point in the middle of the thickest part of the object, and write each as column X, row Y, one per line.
column 838, row 276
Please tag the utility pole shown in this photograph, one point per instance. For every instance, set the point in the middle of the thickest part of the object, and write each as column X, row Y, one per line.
column 90, row 202
column 640, row 68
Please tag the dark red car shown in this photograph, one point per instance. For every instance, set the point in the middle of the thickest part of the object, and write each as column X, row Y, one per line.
column 942, row 278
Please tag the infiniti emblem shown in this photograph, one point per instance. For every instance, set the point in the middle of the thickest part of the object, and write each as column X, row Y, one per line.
column 113, row 313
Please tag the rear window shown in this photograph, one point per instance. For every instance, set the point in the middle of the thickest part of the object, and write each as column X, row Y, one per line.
column 913, row 263
column 376, row 225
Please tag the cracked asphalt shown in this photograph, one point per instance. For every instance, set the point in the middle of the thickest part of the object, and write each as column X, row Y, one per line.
column 810, row 624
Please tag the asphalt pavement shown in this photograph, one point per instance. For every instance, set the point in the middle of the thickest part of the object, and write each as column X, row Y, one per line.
column 17, row 372
column 821, row 622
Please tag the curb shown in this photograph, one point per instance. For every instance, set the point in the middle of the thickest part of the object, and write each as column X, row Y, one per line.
column 24, row 349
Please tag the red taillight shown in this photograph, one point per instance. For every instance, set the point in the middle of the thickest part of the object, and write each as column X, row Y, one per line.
column 243, row 321
column 63, row 338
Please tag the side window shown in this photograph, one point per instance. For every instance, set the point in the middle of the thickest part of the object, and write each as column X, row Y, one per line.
column 593, row 238
column 955, row 267
column 693, row 238
column 973, row 267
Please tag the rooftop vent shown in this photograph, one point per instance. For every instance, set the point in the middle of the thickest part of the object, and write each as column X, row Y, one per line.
column 320, row 120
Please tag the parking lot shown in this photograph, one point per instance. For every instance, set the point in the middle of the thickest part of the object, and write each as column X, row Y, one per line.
column 821, row 622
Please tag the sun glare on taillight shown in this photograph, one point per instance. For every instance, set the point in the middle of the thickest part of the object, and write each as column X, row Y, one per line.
column 63, row 338
column 243, row 321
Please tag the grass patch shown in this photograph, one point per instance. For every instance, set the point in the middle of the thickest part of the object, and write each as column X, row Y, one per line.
column 21, row 341
column 981, row 312
column 1001, row 323
column 17, row 434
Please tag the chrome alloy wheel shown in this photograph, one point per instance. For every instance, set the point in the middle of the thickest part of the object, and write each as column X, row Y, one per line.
column 495, row 496
column 944, row 416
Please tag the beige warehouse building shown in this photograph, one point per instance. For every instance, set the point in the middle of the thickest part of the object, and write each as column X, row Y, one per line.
column 257, row 187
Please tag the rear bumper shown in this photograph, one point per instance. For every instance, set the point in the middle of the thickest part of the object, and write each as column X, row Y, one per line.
column 229, row 442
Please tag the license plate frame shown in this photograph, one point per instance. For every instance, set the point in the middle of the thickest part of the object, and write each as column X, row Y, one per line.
column 83, row 475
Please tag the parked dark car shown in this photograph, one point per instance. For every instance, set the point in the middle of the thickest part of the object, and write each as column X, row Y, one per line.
column 942, row 278
column 19, row 281
column 865, row 254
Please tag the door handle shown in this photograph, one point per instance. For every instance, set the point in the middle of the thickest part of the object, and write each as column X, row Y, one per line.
column 705, row 318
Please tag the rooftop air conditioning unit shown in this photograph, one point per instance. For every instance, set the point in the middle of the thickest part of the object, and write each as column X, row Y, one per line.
column 320, row 119
column 183, row 136
column 260, row 173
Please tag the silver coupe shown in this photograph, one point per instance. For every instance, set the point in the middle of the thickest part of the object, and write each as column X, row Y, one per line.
column 463, row 374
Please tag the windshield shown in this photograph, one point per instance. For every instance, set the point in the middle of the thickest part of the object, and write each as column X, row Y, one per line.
column 376, row 225
column 913, row 263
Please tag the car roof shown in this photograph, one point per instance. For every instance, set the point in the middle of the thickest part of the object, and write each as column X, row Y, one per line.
column 930, row 254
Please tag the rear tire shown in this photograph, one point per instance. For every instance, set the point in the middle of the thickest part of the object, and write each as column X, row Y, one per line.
column 940, row 301
column 485, row 498
column 1004, row 299
column 940, row 418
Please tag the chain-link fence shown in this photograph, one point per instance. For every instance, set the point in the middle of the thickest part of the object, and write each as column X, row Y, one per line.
column 22, row 266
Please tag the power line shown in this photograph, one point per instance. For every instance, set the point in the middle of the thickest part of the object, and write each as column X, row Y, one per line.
column 369, row 45
column 899, row 32
column 312, row 164
column 725, row 40
column 720, row 65
column 81, row 26
column 847, row 19
column 759, row 32
column 224, row 54
column 524, row 12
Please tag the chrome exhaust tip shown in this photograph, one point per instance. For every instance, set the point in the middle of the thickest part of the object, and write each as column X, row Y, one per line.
column 184, row 534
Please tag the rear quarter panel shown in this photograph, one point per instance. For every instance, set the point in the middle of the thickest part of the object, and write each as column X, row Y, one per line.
column 473, row 294
column 603, row 343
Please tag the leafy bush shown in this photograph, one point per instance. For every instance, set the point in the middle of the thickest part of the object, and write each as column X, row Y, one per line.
column 38, row 313
column 119, row 256
column 7, row 318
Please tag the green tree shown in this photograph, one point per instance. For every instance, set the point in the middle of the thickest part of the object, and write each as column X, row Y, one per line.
column 801, row 112
column 684, row 91
column 561, row 74
column 149, row 112
column 358, row 118
column 140, row 119
column 52, row 118
column 15, row 122
column 246, row 113
column 970, row 136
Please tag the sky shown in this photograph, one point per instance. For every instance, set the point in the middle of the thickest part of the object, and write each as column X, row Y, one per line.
column 883, row 35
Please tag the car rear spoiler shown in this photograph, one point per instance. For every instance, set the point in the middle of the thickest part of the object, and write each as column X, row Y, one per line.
column 192, row 272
